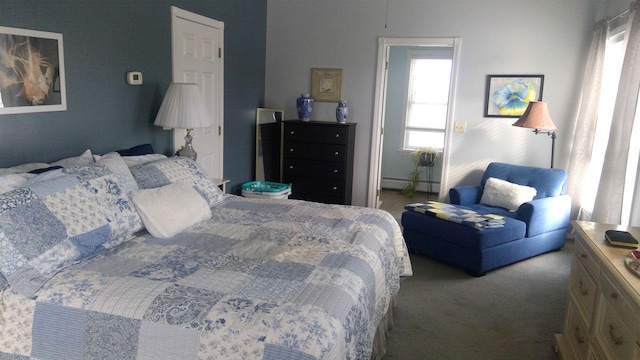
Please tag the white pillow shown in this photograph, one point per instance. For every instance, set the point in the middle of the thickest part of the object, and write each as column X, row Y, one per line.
column 170, row 209
column 498, row 192
column 11, row 182
column 24, row 168
column 86, row 158
column 142, row 159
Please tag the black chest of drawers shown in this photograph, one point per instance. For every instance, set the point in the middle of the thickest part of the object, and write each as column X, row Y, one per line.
column 317, row 160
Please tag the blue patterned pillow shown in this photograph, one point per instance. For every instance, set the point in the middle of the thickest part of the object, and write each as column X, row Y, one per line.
column 58, row 219
column 177, row 169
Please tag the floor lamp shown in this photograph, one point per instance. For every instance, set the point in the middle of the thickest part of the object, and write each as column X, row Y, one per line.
column 537, row 117
column 183, row 108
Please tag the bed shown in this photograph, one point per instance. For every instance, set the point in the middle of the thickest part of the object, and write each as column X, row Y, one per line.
column 117, row 258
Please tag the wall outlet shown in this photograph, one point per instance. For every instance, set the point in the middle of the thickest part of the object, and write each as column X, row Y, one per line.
column 460, row 126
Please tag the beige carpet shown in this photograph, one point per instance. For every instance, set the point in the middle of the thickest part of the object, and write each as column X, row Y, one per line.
column 510, row 313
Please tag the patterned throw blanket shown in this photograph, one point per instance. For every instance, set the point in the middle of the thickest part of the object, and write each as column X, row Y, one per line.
column 458, row 215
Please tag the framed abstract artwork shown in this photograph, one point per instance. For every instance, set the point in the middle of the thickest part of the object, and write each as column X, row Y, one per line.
column 326, row 85
column 31, row 71
column 509, row 95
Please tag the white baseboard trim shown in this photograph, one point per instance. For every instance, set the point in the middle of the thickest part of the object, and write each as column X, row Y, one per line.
column 399, row 184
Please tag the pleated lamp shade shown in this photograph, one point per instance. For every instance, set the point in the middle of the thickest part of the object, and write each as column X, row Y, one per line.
column 536, row 117
column 183, row 107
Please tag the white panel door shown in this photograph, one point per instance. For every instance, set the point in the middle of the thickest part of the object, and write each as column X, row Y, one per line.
column 197, row 44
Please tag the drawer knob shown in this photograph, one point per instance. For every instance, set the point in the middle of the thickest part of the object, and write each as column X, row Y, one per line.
column 292, row 132
column 335, row 188
column 335, row 171
column 291, row 150
column 290, row 166
column 583, row 291
column 616, row 340
column 579, row 337
column 337, row 153
column 337, row 135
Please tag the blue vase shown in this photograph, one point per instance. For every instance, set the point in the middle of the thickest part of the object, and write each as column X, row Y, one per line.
column 342, row 112
column 305, row 106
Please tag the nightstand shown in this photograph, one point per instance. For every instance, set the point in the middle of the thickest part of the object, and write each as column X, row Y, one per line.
column 222, row 184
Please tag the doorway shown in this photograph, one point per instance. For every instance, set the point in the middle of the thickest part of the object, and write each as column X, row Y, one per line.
column 383, row 92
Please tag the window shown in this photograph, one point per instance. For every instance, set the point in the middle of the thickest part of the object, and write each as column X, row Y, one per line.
column 427, row 99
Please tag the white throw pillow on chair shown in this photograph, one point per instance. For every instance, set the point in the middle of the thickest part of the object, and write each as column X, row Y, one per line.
column 498, row 192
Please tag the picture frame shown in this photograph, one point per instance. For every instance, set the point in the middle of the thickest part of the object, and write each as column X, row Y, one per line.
column 31, row 71
column 507, row 96
column 326, row 85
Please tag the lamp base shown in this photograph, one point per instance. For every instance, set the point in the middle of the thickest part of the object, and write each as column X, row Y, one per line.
column 187, row 150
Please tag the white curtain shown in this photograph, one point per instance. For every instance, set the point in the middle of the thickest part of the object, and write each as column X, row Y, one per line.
column 584, row 126
column 609, row 198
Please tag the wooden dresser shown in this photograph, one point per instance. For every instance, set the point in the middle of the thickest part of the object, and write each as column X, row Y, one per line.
column 317, row 160
column 602, row 316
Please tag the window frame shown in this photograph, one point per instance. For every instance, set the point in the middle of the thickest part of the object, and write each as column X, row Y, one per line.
column 427, row 53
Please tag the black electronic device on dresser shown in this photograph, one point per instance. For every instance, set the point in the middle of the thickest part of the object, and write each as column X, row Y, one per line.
column 317, row 159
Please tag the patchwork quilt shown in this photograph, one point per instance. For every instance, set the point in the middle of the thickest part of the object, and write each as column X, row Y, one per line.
column 262, row 279
column 458, row 215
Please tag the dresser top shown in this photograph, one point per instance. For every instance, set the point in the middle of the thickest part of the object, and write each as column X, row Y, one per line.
column 611, row 257
column 316, row 122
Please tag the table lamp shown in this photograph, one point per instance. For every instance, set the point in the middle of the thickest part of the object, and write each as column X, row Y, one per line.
column 183, row 108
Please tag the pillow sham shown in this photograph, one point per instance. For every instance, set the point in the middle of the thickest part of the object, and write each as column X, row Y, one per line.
column 498, row 192
column 168, row 210
column 177, row 169
column 115, row 163
column 60, row 218
column 86, row 158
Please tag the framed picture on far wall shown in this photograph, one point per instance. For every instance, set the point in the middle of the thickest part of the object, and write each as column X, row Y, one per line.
column 326, row 85
column 509, row 95
column 31, row 71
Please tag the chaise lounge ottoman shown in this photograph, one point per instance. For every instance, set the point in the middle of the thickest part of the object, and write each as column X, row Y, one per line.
column 476, row 251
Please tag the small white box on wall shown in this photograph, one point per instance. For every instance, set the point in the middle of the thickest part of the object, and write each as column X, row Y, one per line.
column 134, row 78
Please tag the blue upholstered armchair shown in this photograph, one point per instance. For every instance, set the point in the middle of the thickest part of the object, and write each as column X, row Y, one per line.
column 546, row 216
column 533, row 223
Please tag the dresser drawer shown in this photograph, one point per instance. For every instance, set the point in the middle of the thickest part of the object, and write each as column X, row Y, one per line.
column 316, row 133
column 583, row 289
column 323, row 190
column 321, row 169
column 586, row 258
column 617, row 300
column 611, row 332
column 311, row 151
column 576, row 333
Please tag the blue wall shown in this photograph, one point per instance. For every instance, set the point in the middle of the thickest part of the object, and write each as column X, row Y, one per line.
column 103, row 40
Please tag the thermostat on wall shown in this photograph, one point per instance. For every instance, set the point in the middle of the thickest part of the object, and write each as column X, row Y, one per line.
column 134, row 78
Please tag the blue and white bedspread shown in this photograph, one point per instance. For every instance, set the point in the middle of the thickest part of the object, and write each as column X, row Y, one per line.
column 263, row 279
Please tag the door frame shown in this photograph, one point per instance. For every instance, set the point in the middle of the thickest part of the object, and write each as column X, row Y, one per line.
column 375, row 165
